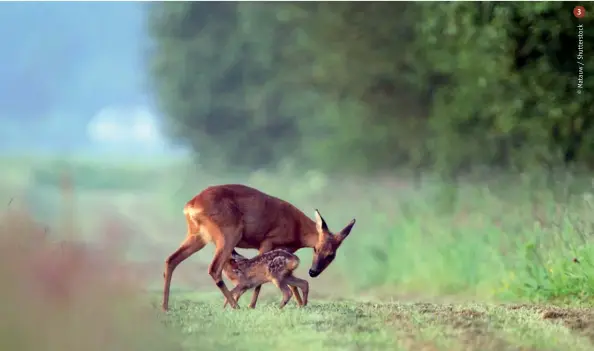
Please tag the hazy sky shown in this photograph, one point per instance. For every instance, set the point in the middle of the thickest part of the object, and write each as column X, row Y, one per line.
column 65, row 63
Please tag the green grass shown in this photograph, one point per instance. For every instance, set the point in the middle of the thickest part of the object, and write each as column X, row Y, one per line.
column 322, row 325
column 356, row 325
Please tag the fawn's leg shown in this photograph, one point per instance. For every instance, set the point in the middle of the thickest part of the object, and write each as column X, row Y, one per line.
column 227, row 301
column 296, row 294
column 236, row 292
column 263, row 249
column 286, row 291
column 239, row 294
column 301, row 284
column 188, row 247
column 225, row 241
column 255, row 297
column 256, row 293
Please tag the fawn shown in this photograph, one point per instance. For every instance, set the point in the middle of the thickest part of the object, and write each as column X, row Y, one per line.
column 274, row 266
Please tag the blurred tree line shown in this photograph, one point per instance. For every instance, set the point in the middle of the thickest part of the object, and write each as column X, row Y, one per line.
column 372, row 86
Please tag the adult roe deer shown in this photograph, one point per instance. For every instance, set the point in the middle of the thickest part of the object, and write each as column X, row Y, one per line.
column 276, row 266
column 235, row 215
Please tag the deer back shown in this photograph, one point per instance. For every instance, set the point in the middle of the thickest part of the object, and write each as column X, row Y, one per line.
column 262, row 217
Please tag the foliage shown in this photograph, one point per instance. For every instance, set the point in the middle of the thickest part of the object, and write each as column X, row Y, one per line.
column 375, row 86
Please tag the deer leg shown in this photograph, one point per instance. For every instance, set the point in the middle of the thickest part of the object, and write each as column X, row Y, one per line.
column 214, row 270
column 225, row 244
column 301, row 284
column 188, row 247
column 191, row 245
column 286, row 291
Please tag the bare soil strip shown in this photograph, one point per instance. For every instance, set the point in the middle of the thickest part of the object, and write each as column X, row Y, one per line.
column 411, row 333
column 575, row 323
column 459, row 327
column 479, row 327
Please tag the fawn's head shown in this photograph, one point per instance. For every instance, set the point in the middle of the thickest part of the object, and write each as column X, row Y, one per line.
column 328, row 243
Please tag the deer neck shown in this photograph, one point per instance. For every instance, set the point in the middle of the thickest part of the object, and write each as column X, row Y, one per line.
column 309, row 233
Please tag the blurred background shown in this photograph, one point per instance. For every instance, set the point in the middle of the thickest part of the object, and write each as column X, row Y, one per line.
column 466, row 123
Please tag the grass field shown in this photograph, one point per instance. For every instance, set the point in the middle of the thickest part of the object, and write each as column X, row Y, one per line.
column 364, row 325
column 503, row 264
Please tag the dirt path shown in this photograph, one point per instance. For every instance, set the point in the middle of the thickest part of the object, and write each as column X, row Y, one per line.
column 490, row 327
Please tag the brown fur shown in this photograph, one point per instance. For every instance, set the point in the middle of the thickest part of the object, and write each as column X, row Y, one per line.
column 274, row 266
column 236, row 215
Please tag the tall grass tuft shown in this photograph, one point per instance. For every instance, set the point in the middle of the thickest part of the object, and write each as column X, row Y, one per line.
column 504, row 241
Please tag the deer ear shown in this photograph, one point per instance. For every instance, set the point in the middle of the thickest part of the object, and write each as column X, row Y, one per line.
column 320, row 223
column 346, row 230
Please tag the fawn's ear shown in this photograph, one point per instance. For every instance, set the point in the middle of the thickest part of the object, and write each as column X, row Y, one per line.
column 320, row 223
column 236, row 255
column 346, row 230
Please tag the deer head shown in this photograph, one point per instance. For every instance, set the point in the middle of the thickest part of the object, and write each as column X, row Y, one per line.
column 328, row 243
